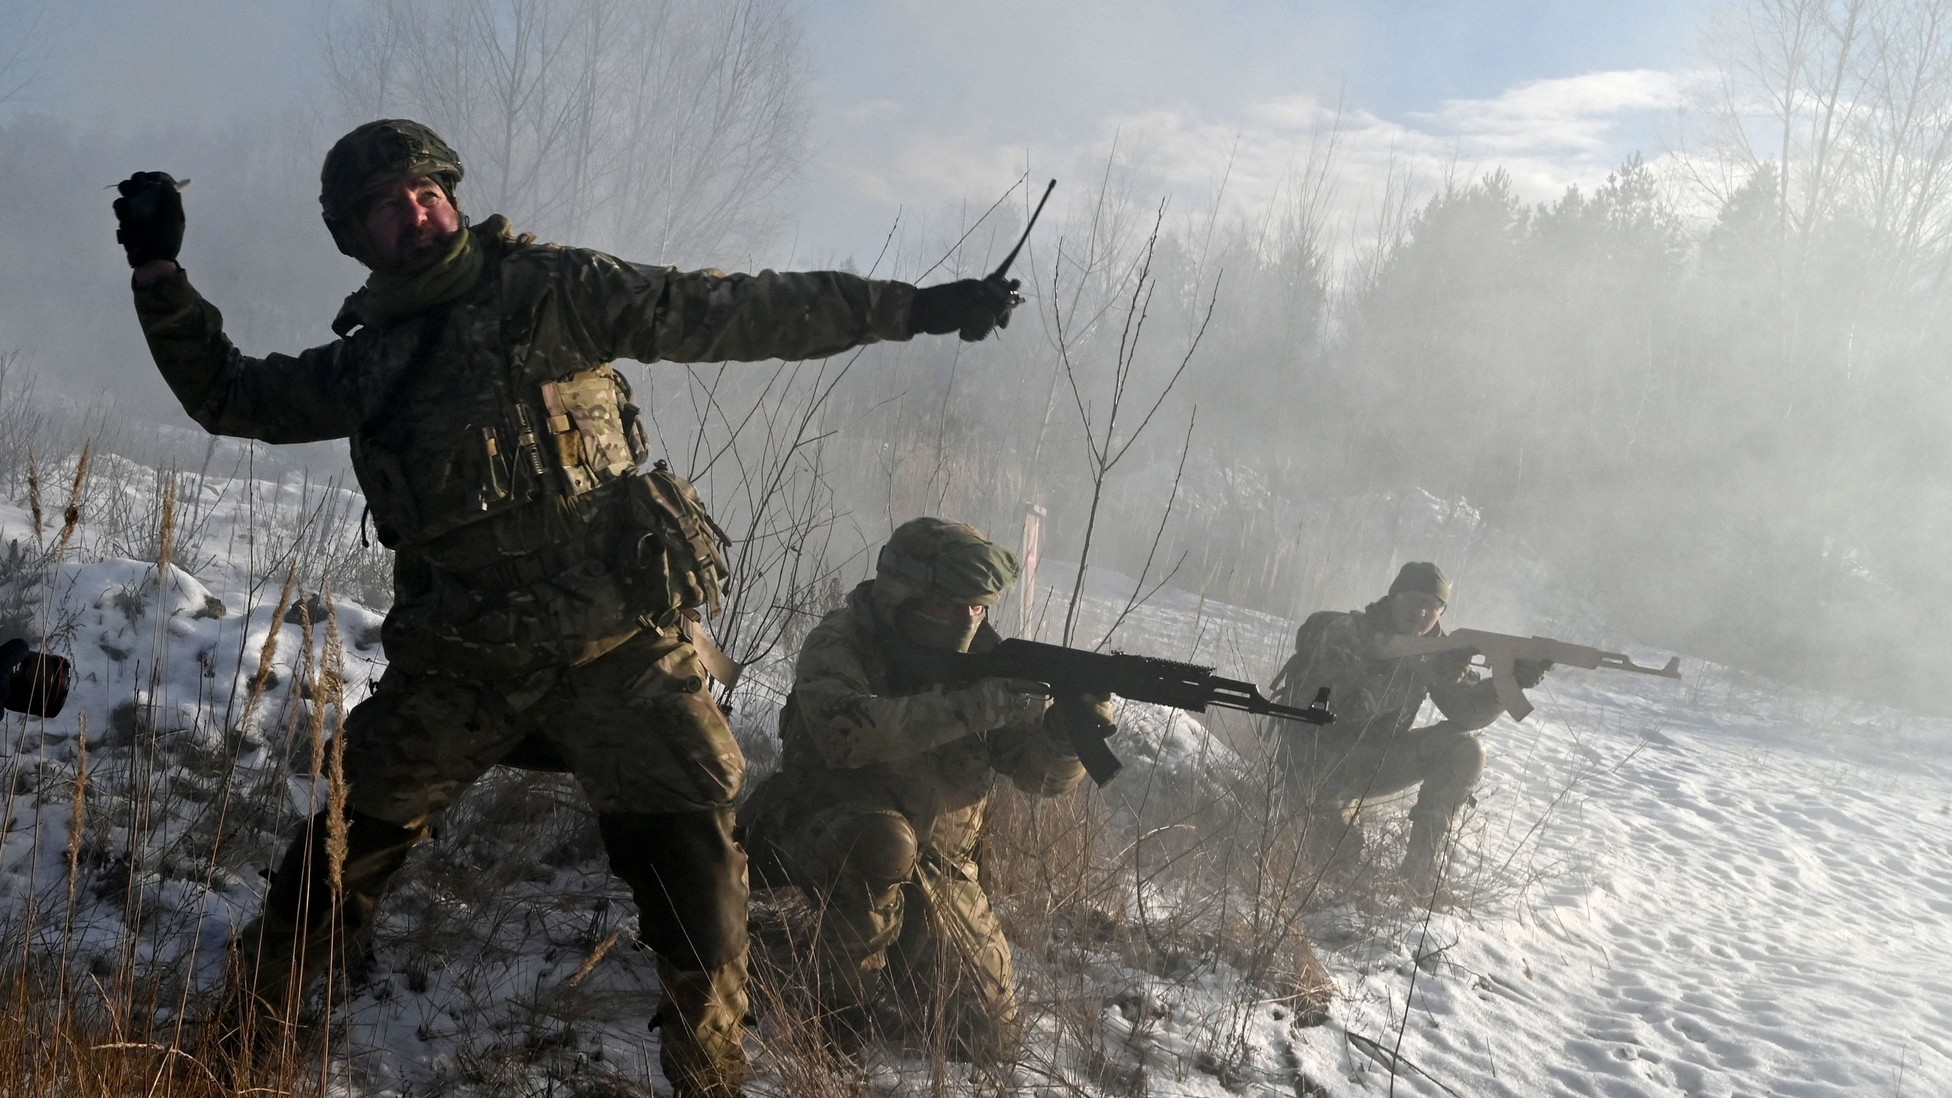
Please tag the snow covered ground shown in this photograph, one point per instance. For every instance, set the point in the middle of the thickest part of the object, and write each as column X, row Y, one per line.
column 1724, row 886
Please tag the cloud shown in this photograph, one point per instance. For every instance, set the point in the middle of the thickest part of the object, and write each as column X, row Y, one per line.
column 1574, row 114
column 1548, row 134
column 1545, row 133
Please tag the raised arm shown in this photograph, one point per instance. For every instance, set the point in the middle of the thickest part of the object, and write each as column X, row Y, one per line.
column 279, row 398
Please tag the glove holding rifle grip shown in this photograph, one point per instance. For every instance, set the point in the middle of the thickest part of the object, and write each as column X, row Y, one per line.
column 1081, row 722
column 1074, row 717
column 149, row 216
column 1528, row 673
column 973, row 307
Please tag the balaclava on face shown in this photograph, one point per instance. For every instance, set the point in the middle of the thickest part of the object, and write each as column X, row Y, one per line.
column 929, row 558
column 953, row 634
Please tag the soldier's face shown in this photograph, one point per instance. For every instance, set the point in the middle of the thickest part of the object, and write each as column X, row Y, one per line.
column 408, row 222
column 1414, row 614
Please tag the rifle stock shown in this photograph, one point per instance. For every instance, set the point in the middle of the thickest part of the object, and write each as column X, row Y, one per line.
column 1501, row 651
column 1184, row 686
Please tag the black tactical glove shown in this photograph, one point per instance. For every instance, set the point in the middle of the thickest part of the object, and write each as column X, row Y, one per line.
column 1527, row 673
column 150, row 213
column 1080, row 716
column 971, row 306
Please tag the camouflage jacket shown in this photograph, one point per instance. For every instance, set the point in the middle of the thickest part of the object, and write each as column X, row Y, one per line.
column 490, row 434
column 851, row 735
column 1377, row 697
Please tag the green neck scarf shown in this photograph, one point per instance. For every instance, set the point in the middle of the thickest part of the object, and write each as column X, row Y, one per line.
column 389, row 296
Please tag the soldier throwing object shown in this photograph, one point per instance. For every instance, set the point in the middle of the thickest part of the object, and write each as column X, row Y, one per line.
column 498, row 450
column 1371, row 750
column 882, row 791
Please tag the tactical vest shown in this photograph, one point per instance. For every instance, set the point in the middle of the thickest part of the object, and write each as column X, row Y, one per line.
column 478, row 451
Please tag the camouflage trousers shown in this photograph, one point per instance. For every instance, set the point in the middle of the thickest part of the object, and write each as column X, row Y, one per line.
column 1333, row 778
column 653, row 754
column 904, row 928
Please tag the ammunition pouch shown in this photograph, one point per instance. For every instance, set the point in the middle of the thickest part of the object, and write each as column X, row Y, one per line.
column 672, row 551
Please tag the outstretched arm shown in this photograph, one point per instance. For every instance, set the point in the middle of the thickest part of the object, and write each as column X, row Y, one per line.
column 659, row 313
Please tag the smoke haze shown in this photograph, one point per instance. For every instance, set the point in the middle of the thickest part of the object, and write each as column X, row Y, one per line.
column 1539, row 296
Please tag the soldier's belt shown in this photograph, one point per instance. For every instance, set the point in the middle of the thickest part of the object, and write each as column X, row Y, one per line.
column 577, row 556
column 518, row 572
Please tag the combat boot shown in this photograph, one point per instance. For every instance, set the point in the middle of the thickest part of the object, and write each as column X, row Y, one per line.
column 256, row 1010
column 701, row 1029
column 688, row 879
column 301, row 931
column 1425, row 863
column 845, row 1029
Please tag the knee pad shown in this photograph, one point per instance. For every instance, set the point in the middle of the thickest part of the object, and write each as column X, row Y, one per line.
column 881, row 849
column 1467, row 758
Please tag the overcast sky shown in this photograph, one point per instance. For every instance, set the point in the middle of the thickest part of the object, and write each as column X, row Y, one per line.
column 922, row 104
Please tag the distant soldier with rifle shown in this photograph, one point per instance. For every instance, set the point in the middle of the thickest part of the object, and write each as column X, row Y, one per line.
column 1373, row 751
column 1380, row 663
column 882, row 791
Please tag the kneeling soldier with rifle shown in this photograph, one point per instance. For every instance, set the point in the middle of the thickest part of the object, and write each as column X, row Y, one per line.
column 906, row 707
column 1372, row 751
column 882, row 791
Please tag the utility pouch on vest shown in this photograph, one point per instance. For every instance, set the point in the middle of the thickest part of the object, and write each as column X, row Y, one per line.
column 594, row 437
column 672, row 543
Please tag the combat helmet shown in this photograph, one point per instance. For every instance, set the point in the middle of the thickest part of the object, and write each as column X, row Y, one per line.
column 937, row 558
column 376, row 155
column 1422, row 577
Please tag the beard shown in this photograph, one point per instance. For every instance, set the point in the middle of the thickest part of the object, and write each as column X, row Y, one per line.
column 420, row 251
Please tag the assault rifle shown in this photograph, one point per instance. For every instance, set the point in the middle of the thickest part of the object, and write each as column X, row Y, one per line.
column 1072, row 670
column 1501, row 651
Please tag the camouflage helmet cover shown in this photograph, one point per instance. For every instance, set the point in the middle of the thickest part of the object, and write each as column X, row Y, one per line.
column 1422, row 577
column 375, row 155
column 937, row 558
